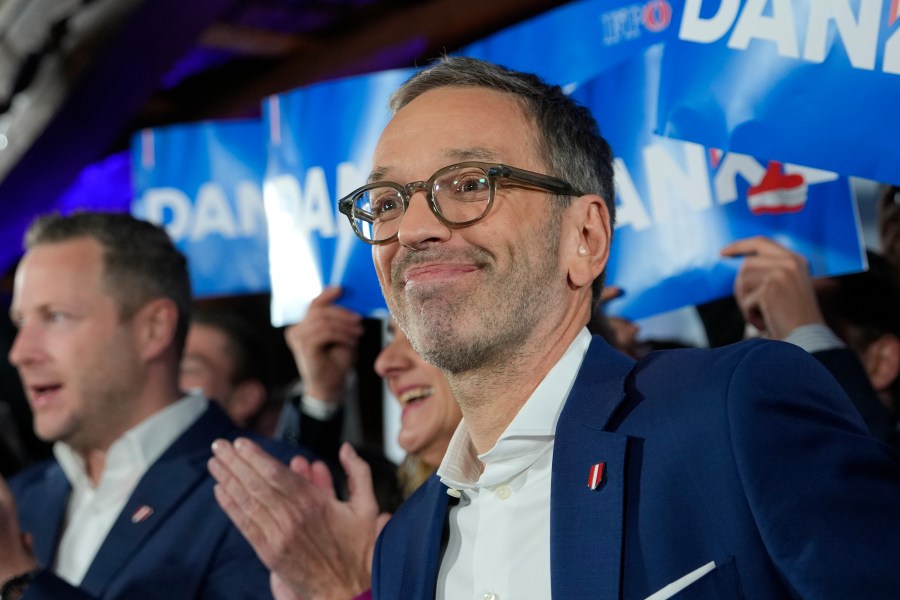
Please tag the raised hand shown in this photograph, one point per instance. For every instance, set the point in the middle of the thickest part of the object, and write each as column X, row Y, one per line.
column 324, row 345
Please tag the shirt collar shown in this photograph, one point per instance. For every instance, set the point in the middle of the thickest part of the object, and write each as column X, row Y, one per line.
column 140, row 446
column 528, row 435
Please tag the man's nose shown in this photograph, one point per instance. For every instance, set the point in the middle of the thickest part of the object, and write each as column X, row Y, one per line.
column 24, row 348
column 420, row 224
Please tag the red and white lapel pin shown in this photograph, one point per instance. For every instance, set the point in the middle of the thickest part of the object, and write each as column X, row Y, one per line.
column 596, row 475
column 142, row 513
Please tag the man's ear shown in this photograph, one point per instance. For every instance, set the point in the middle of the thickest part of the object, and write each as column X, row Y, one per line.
column 587, row 235
column 155, row 323
column 882, row 361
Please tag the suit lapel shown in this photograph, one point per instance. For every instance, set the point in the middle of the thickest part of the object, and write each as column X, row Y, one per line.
column 423, row 580
column 160, row 492
column 586, row 524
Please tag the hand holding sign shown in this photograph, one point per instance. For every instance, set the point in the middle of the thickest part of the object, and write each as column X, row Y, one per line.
column 324, row 346
column 774, row 288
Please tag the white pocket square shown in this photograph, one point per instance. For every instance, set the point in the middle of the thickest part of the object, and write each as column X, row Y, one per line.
column 682, row 582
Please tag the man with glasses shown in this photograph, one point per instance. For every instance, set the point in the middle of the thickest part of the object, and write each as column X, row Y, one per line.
column 577, row 472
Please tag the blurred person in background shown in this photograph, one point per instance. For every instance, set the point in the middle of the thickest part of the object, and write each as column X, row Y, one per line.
column 863, row 309
column 125, row 510
column 225, row 358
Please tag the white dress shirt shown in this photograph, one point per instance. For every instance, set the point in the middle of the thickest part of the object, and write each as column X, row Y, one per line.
column 499, row 543
column 92, row 511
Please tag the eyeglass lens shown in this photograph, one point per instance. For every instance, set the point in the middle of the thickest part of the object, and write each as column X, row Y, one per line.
column 461, row 194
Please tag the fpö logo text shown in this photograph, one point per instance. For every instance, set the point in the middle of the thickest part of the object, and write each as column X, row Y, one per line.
column 631, row 21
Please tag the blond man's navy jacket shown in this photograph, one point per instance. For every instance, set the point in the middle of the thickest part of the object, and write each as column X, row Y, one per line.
column 170, row 541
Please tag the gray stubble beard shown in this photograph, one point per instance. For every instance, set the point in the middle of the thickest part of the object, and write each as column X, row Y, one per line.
column 521, row 306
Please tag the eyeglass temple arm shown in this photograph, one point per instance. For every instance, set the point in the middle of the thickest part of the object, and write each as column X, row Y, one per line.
column 346, row 207
column 546, row 182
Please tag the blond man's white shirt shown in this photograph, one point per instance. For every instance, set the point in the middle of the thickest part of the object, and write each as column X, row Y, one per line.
column 92, row 510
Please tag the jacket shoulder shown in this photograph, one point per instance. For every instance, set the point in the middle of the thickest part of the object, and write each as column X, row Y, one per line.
column 729, row 367
column 33, row 476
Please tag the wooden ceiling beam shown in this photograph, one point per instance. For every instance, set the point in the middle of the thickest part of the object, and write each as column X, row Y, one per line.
column 248, row 41
column 422, row 30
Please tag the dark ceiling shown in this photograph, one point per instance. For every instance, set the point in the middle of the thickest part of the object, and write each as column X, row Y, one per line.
column 78, row 77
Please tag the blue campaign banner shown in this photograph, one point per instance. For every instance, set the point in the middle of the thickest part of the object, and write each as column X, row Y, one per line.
column 580, row 40
column 679, row 203
column 321, row 139
column 203, row 183
column 320, row 143
column 805, row 81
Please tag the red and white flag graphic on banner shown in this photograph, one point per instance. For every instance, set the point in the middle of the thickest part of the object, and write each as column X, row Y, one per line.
column 777, row 193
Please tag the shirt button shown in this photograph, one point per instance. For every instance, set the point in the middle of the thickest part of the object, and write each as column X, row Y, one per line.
column 502, row 493
column 490, row 596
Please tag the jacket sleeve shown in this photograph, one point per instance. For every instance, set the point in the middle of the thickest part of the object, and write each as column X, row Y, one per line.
column 821, row 489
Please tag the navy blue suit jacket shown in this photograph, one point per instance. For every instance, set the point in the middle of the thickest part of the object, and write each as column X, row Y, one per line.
column 750, row 457
column 187, row 547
